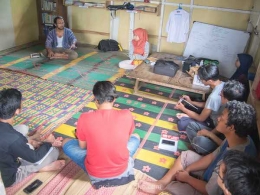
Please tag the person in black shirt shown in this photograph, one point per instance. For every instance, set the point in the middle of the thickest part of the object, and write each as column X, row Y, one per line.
column 18, row 160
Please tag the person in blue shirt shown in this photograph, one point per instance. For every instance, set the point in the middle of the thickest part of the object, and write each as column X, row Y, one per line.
column 60, row 42
column 193, row 173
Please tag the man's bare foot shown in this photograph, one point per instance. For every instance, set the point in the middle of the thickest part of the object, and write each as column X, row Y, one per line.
column 180, row 115
column 60, row 56
column 54, row 166
column 151, row 187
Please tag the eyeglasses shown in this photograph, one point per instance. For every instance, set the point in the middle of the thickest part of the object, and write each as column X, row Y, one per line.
column 216, row 170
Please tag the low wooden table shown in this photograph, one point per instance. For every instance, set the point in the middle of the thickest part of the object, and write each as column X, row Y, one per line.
column 144, row 74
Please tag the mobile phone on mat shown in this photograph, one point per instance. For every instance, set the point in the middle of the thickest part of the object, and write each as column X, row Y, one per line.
column 30, row 188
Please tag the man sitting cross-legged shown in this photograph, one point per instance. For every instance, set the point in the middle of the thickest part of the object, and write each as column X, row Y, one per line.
column 235, row 123
column 21, row 156
column 60, row 42
column 105, row 144
column 202, row 138
column 239, row 174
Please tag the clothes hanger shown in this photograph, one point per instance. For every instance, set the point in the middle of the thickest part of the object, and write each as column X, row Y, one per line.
column 179, row 8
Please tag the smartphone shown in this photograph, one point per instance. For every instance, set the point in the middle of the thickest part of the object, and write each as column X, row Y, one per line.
column 30, row 188
column 168, row 142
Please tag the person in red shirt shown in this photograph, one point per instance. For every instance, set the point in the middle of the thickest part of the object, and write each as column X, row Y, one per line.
column 105, row 144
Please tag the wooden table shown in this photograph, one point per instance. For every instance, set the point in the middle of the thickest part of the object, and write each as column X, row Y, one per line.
column 144, row 74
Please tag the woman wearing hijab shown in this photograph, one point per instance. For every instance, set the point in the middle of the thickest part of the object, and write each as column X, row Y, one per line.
column 139, row 49
column 243, row 63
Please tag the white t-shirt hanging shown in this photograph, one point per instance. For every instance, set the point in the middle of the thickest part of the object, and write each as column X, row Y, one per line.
column 178, row 26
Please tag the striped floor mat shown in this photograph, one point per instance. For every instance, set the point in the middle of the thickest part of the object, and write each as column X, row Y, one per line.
column 45, row 104
column 152, row 118
column 83, row 72
column 72, row 180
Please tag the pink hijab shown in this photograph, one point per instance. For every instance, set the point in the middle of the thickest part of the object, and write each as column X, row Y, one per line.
column 143, row 38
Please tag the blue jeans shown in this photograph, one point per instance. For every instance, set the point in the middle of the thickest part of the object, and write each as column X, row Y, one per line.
column 202, row 144
column 78, row 155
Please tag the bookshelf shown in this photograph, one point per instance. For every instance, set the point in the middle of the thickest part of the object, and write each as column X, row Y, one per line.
column 47, row 11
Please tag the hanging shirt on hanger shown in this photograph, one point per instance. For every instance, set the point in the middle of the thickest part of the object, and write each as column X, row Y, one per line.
column 178, row 26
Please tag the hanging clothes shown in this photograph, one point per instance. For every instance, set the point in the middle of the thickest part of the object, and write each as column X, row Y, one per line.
column 177, row 26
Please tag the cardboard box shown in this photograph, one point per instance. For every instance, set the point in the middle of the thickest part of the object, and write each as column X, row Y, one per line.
column 150, row 9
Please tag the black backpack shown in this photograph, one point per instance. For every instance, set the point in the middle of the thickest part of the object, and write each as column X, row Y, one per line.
column 127, row 6
column 108, row 45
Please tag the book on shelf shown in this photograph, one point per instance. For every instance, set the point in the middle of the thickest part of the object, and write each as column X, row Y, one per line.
column 68, row 2
column 48, row 5
column 47, row 18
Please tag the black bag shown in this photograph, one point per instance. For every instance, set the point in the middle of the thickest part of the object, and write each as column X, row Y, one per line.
column 163, row 67
column 189, row 62
column 192, row 61
column 127, row 6
column 108, row 45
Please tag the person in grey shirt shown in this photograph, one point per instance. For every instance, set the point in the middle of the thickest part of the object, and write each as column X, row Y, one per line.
column 202, row 138
column 209, row 75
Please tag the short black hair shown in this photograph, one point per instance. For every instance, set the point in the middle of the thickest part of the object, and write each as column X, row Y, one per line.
column 234, row 90
column 56, row 18
column 208, row 72
column 241, row 175
column 104, row 91
column 242, row 116
column 10, row 101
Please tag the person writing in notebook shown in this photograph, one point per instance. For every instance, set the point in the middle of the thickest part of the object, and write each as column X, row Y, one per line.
column 209, row 75
column 60, row 42
column 205, row 139
column 138, row 51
